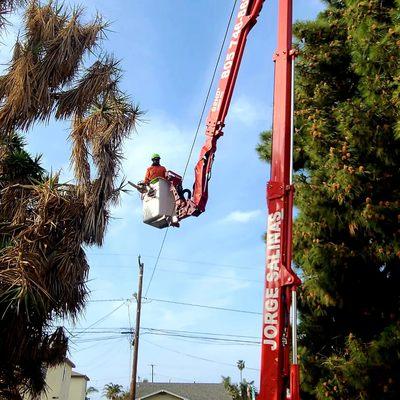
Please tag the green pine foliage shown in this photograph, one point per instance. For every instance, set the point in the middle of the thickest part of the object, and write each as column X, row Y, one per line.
column 347, row 233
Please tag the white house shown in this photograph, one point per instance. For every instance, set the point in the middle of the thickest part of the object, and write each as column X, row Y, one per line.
column 78, row 386
column 62, row 383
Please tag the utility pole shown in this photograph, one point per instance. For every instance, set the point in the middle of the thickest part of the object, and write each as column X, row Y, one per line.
column 152, row 372
column 136, row 336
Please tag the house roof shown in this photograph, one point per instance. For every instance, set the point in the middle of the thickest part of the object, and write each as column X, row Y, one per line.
column 75, row 374
column 69, row 362
column 184, row 391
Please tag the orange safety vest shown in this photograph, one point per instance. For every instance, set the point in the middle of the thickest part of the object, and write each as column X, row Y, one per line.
column 153, row 172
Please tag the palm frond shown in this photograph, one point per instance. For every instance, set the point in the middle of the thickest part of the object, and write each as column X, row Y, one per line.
column 44, row 224
column 100, row 78
column 19, row 107
column 102, row 130
column 7, row 7
column 64, row 52
column 44, row 61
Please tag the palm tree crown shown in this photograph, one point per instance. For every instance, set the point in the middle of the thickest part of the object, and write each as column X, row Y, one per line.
column 44, row 223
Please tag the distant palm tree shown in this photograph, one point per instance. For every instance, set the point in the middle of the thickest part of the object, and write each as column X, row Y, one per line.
column 242, row 391
column 124, row 395
column 89, row 391
column 113, row 391
column 241, row 365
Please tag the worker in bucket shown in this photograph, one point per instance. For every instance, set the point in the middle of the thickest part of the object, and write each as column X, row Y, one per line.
column 156, row 170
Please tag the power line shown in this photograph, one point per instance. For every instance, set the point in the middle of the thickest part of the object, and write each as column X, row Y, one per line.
column 106, row 300
column 149, row 299
column 102, row 318
column 125, row 330
column 195, row 136
column 188, row 273
column 208, row 339
column 157, row 260
column 209, row 275
column 185, row 335
column 205, row 275
column 196, row 357
column 179, row 260
column 210, row 87
column 201, row 333
column 174, row 377
column 205, row 306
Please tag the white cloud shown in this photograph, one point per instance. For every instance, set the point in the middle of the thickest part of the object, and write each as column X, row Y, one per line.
column 249, row 112
column 242, row 217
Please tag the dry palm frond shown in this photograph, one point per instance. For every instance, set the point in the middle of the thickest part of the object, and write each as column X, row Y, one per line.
column 43, row 23
column 45, row 224
column 80, row 152
column 64, row 52
column 18, row 88
column 43, row 273
column 47, row 59
column 100, row 78
column 14, row 206
column 17, row 51
column 7, row 7
column 102, row 130
column 45, row 259
column 21, row 282
column 54, row 346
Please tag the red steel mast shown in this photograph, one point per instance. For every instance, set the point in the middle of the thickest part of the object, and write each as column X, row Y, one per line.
column 279, row 374
column 279, row 377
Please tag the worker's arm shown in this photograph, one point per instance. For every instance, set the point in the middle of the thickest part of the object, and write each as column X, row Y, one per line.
column 147, row 177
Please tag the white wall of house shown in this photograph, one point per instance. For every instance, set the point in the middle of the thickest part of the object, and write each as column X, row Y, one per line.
column 58, row 380
column 77, row 388
column 63, row 384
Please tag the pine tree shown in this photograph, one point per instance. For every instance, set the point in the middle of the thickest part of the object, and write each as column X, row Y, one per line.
column 347, row 232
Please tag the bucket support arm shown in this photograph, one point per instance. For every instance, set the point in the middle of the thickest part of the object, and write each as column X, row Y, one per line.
column 246, row 19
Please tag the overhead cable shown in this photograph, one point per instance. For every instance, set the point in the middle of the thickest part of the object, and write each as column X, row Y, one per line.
column 179, row 260
column 195, row 136
column 150, row 299
column 102, row 318
column 196, row 357
column 210, row 87
column 157, row 260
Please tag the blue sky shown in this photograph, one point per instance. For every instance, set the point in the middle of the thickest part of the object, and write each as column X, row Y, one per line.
column 168, row 50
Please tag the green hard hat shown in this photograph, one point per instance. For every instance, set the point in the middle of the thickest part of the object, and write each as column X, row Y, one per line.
column 155, row 155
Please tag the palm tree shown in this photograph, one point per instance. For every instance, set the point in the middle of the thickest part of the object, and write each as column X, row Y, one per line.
column 241, row 365
column 124, row 395
column 7, row 6
column 44, row 223
column 89, row 391
column 112, row 391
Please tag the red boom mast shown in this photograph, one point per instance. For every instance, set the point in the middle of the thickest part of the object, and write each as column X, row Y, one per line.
column 279, row 377
column 279, row 374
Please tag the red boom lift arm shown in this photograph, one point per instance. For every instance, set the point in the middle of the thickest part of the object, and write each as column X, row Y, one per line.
column 246, row 19
column 279, row 374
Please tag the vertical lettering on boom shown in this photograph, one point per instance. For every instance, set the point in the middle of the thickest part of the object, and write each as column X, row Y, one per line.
column 228, row 63
column 271, row 306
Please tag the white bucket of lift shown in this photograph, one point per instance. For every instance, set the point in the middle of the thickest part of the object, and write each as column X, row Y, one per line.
column 159, row 204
